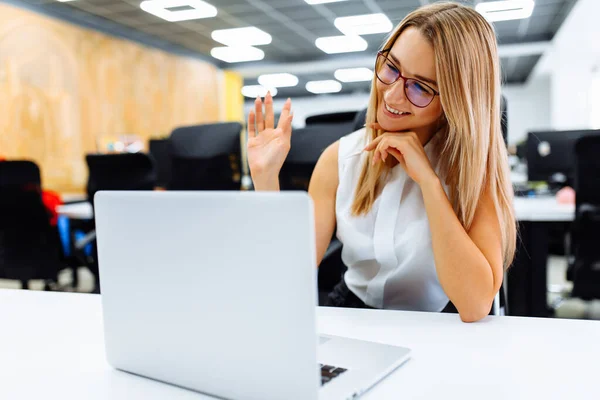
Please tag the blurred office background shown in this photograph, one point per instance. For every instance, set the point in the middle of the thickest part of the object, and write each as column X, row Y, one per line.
column 125, row 94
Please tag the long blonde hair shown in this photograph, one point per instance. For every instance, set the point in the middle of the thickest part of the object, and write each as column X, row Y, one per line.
column 469, row 145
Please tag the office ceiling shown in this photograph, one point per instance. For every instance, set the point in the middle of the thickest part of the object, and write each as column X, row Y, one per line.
column 294, row 26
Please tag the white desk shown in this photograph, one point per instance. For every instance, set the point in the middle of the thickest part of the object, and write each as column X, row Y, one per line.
column 52, row 343
column 526, row 209
column 76, row 211
column 545, row 209
column 518, row 177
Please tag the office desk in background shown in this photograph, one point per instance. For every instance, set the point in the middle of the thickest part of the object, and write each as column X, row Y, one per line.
column 73, row 197
column 526, row 209
column 52, row 345
column 78, row 211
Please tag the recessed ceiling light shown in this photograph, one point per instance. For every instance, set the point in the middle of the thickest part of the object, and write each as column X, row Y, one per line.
column 64, row 1
column 322, row 1
column 354, row 74
column 364, row 24
column 237, row 54
column 179, row 10
column 321, row 87
column 278, row 80
column 254, row 91
column 506, row 10
column 341, row 44
column 249, row 36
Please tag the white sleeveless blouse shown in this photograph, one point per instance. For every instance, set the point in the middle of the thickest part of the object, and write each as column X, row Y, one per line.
column 388, row 252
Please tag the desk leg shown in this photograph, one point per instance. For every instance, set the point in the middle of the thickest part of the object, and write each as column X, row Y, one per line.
column 539, row 264
column 74, row 254
column 527, row 278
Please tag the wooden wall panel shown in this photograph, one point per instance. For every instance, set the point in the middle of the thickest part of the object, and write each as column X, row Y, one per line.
column 62, row 88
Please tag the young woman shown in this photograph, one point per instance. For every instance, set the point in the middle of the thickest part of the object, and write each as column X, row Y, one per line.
column 421, row 197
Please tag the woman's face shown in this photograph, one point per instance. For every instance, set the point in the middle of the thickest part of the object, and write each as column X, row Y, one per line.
column 414, row 57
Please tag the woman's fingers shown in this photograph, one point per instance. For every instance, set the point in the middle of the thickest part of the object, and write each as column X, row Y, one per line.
column 285, row 113
column 396, row 154
column 375, row 158
column 251, row 122
column 269, row 114
column 374, row 143
column 260, row 123
column 288, row 124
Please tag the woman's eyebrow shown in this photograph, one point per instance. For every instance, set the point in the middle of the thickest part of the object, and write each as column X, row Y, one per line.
column 422, row 78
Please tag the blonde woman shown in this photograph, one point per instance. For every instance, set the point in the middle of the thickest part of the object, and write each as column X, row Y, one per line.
column 421, row 197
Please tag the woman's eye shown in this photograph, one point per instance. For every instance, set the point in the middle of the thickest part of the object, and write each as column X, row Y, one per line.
column 390, row 66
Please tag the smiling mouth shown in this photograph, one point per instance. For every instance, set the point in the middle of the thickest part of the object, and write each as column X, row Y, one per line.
column 394, row 111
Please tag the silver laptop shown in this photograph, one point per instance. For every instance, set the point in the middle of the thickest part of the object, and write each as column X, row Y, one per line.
column 216, row 292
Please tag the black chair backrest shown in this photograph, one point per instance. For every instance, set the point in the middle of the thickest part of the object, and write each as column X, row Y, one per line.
column 331, row 118
column 360, row 120
column 206, row 157
column 160, row 150
column 306, row 147
column 20, row 172
column 128, row 171
column 29, row 246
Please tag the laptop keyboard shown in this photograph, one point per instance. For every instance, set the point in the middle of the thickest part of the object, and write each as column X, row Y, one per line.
column 329, row 372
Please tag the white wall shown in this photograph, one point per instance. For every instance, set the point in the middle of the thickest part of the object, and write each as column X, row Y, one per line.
column 595, row 101
column 528, row 108
column 570, row 64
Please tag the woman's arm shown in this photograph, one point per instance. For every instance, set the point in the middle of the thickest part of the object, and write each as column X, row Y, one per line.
column 469, row 264
column 322, row 190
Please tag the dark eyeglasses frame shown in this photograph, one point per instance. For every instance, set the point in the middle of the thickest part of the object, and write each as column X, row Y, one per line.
column 404, row 79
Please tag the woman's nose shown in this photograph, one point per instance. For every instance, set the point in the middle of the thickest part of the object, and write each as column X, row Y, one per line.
column 395, row 93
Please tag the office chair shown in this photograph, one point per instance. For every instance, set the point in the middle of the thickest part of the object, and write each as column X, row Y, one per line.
column 19, row 172
column 160, row 150
column 30, row 246
column 331, row 118
column 359, row 120
column 307, row 146
column 584, row 269
column 206, row 157
column 127, row 171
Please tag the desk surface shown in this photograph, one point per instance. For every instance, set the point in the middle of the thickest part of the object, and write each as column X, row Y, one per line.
column 53, row 343
column 543, row 209
column 526, row 209
column 81, row 210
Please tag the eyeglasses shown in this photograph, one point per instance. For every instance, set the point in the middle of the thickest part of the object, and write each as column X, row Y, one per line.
column 418, row 93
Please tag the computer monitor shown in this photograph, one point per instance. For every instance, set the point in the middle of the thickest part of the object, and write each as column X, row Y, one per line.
column 551, row 156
